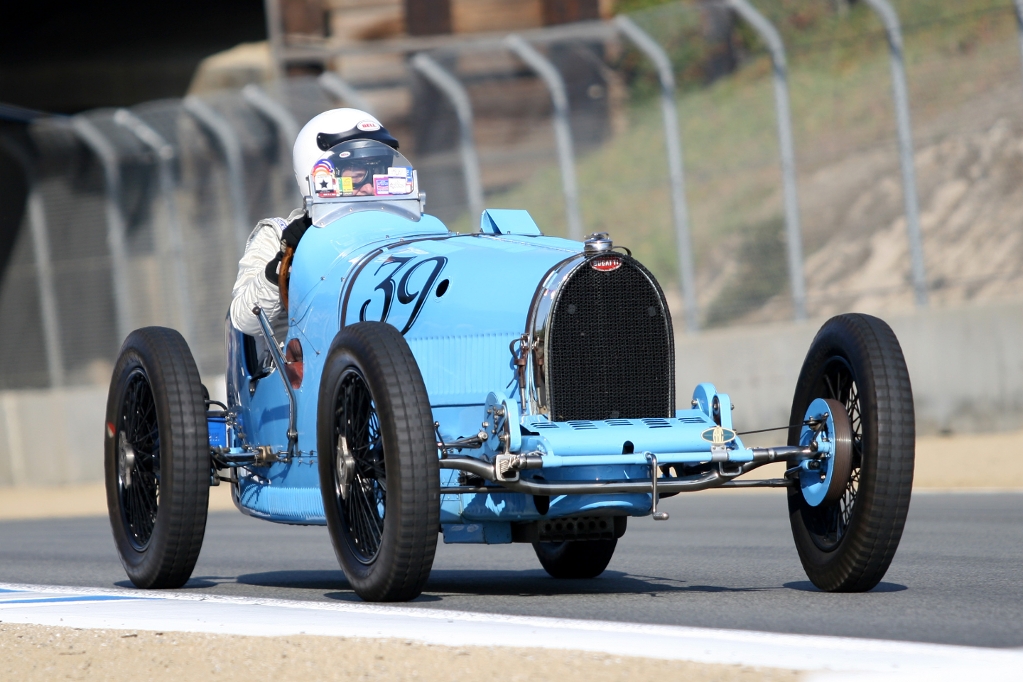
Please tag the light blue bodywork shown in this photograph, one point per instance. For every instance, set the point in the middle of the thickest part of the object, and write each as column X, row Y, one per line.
column 460, row 300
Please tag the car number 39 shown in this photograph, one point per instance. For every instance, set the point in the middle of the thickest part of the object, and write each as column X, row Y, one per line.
column 401, row 274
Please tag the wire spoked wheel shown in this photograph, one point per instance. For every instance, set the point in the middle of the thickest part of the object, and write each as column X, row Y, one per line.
column 138, row 454
column 360, row 476
column 847, row 542
column 157, row 458
column 379, row 475
column 827, row 523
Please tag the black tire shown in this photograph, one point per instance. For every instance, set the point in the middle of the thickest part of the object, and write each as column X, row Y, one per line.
column 847, row 546
column 158, row 486
column 373, row 402
column 575, row 558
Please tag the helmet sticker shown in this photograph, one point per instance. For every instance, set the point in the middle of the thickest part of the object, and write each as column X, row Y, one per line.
column 344, row 155
column 323, row 179
column 346, row 186
column 397, row 186
column 398, row 181
column 367, row 126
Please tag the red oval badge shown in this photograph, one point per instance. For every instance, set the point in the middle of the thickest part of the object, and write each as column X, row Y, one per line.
column 606, row 263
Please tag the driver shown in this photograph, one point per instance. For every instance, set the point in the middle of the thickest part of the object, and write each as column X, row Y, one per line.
column 259, row 269
column 361, row 176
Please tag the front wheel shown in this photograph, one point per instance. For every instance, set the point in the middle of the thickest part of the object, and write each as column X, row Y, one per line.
column 846, row 541
column 157, row 458
column 379, row 473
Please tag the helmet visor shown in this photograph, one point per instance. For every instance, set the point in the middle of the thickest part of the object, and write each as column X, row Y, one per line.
column 361, row 168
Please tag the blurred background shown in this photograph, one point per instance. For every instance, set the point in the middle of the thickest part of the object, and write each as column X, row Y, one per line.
column 139, row 144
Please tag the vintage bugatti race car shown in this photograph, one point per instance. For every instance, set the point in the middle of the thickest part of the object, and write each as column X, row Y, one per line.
column 492, row 387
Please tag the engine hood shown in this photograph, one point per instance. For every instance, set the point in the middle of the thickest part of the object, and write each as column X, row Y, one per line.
column 459, row 299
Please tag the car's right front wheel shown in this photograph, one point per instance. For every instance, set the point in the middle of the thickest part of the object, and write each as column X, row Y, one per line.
column 378, row 465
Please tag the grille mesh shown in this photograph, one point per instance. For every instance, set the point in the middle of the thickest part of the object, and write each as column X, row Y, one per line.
column 610, row 346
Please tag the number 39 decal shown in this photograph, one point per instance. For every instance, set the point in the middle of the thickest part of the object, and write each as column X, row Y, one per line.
column 392, row 286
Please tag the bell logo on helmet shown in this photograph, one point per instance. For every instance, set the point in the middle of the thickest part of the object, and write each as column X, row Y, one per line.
column 367, row 126
column 606, row 264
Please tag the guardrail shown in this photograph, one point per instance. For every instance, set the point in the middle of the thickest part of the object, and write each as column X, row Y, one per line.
column 186, row 251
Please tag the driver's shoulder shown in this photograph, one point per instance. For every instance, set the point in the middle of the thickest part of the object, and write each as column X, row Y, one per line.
column 271, row 228
column 281, row 223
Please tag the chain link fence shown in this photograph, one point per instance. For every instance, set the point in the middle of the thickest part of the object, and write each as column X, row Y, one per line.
column 137, row 217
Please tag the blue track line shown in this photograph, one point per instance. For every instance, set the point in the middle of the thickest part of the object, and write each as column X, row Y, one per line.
column 53, row 600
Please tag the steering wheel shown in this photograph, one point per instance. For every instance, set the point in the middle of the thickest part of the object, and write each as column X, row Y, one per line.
column 284, row 275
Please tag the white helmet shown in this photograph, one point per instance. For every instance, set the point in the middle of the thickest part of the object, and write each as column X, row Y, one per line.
column 328, row 129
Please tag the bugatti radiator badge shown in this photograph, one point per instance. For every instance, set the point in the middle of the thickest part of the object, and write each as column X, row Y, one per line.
column 606, row 263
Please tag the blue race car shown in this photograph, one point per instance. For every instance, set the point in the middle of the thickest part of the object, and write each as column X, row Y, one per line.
column 494, row 387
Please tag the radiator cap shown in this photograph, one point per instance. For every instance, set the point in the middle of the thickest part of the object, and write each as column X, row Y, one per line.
column 598, row 241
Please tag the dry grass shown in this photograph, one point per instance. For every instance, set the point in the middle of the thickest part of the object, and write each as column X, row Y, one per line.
column 959, row 54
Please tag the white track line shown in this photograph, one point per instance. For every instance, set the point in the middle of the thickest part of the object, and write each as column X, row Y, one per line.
column 190, row 612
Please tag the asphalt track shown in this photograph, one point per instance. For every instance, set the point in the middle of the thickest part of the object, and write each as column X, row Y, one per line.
column 724, row 560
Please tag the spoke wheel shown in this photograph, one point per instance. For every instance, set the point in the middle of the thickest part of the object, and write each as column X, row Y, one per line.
column 827, row 524
column 379, row 474
column 360, row 477
column 157, row 458
column 138, row 450
column 847, row 544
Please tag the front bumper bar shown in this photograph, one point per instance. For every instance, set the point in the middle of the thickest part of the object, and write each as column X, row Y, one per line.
column 722, row 477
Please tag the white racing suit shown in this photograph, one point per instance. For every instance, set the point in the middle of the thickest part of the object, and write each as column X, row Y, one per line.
column 252, row 288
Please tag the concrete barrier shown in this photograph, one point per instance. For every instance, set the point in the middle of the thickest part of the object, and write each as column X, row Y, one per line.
column 52, row 437
column 55, row 437
column 966, row 366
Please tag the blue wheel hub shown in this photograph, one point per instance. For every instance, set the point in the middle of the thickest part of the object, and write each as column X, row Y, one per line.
column 823, row 479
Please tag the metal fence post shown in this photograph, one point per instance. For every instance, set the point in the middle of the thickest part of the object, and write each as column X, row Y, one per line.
column 562, row 128
column 173, row 239
column 343, row 90
column 459, row 98
column 274, row 37
column 1018, row 6
column 117, row 242
column 676, row 170
column 282, row 120
column 43, row 261
column 900, row 94
column 794, row 234
column 217, row 126
column 47, row 290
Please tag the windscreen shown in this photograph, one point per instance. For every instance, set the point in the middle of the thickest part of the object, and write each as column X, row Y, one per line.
column 362, row 168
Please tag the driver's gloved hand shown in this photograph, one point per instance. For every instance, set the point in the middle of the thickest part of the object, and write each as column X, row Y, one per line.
column 290, row 236
column 272, row 269
column 294, row 231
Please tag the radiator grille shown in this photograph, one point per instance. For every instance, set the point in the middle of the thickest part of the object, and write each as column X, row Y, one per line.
column 610, row 347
